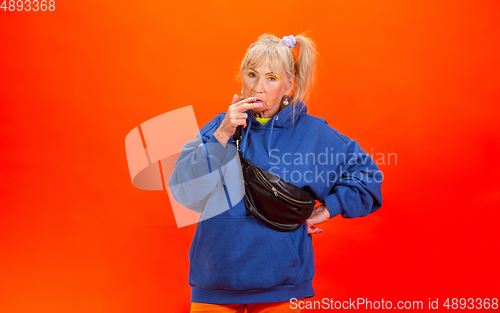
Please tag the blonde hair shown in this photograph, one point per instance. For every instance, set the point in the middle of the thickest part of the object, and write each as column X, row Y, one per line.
column 281, row 57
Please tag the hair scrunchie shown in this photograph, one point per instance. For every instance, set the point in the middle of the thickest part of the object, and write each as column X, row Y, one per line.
column 289, row 41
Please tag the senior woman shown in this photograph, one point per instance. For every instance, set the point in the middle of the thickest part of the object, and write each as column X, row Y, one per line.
column 236, row 261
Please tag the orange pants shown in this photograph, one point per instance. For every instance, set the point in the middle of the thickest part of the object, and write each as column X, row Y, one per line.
column 271, row 307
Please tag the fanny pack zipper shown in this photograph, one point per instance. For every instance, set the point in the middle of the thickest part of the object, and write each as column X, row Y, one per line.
column 276, row 192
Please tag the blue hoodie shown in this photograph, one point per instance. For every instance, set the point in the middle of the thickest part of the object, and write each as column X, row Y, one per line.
column 234, row 258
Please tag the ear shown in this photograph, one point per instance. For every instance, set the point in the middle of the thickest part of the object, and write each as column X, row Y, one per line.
column 289, row 88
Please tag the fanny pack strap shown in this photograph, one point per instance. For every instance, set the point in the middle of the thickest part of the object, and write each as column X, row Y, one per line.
column 237, row 138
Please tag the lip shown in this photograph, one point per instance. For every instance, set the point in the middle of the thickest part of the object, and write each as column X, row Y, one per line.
column 258, row 100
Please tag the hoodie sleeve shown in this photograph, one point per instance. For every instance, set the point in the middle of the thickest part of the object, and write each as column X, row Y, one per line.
column 196, row 172
column 356, row 184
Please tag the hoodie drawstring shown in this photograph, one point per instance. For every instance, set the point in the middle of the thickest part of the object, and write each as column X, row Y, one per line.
column 270, row 136
column 245, row 139
column 247, row 130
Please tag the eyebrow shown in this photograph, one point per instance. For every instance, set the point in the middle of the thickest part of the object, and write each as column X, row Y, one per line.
column 258, row 72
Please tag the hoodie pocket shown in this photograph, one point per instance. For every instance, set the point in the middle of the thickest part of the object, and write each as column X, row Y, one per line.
column 242, row 254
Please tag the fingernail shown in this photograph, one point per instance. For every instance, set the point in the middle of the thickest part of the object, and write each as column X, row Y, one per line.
column 260, row 104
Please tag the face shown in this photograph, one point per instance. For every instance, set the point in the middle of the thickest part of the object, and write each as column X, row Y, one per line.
column 267, row 86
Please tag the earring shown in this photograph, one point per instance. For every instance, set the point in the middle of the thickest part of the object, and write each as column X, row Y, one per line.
column 285, row 102
column 241, row 91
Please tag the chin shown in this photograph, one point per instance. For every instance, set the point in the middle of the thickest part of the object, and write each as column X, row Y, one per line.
column 265, row 106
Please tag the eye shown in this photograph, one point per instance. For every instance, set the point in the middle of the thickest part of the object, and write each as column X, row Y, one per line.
column 273, row 78
column 251, row 74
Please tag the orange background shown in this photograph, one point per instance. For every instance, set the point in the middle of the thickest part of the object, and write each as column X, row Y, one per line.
column 419, row 79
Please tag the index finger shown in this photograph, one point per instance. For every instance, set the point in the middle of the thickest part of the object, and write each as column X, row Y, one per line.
column 248, row 103
column 248, row 100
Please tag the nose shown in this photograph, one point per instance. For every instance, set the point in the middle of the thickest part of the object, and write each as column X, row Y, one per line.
column 259, row 86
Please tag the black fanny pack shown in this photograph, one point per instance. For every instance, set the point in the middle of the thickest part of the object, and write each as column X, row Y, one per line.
column 275, row 202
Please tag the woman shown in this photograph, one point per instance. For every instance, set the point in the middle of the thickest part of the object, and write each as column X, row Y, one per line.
column 236, row 261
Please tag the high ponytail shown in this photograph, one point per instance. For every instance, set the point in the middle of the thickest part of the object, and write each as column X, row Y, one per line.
column 305, row 68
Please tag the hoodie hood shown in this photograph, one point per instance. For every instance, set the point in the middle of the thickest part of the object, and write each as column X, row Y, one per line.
column 283, row 119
